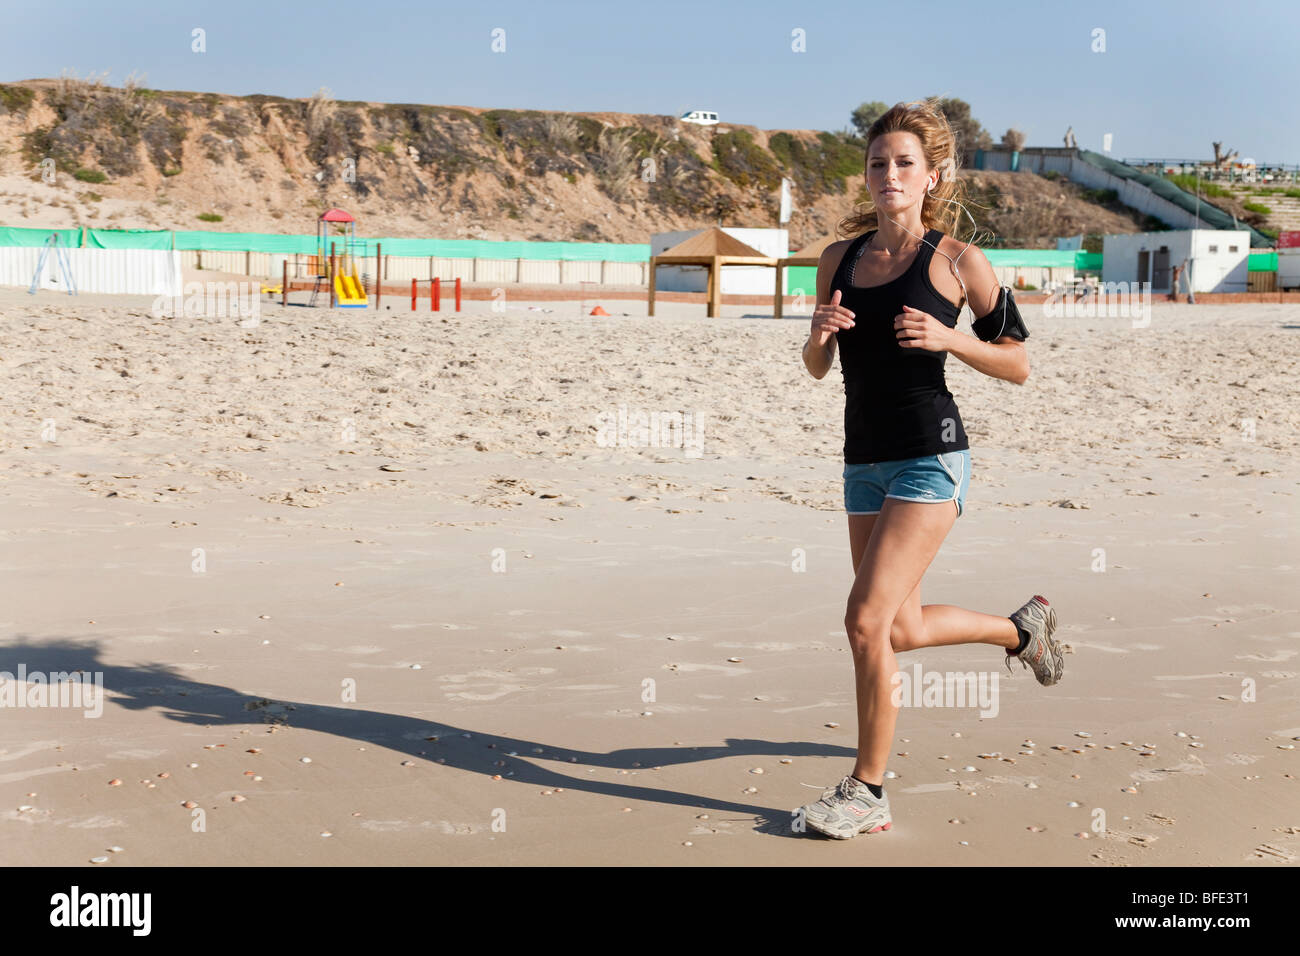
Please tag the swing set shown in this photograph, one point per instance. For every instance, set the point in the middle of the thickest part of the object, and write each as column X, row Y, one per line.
column 60, row 263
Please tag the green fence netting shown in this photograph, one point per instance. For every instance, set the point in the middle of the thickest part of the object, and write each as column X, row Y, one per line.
column 244, row 242
column 127, row 239
column 474, row 248
column 1046, row 258
column 306, row 244
column 487, row 249
column 419, row 248
column 18, row 236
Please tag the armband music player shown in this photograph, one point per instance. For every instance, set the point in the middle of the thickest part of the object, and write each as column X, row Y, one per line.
column 1003, row 320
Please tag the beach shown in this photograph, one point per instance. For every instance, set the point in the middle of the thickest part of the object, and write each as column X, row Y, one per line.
column 382, row 588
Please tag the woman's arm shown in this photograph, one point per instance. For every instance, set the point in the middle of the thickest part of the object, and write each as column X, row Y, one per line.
column 818, row 358
column 1005, row 357
column 819, row 349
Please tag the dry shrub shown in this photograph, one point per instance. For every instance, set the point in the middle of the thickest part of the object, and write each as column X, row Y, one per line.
column 561, row 129
column 321, row 110
column 616, row 163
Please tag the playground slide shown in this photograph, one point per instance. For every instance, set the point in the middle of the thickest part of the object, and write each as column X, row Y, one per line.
column 349, row 292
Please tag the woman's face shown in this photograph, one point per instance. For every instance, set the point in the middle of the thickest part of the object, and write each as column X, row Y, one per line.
column 896, row 172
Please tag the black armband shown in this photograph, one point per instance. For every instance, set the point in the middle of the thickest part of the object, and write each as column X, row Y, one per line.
column 1003, row 320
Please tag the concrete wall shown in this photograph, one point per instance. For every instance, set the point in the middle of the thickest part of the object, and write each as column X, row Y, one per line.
column 1220, row 270
column 1288, row 268
column 1033, row 159
column 1039, row 160
column 736, row 280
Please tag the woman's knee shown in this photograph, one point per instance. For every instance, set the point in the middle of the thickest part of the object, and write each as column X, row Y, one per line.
column 867, row 629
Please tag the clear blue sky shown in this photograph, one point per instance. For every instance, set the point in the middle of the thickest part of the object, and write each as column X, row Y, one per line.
column 1174, row 76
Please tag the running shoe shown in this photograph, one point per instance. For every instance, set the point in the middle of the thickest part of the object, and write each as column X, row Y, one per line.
column 1043, row 652
column 847, row 810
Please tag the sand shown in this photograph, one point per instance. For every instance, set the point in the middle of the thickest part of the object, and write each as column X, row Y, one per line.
column 447, row 661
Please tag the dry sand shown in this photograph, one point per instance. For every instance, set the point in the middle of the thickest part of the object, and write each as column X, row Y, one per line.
column 466, row 640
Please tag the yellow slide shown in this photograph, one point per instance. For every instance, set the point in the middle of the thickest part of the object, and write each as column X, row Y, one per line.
column 349, row 292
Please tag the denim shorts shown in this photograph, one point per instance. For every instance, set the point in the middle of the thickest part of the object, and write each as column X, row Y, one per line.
column 943, row 477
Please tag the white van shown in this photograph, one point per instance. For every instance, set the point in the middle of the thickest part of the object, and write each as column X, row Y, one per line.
column 702, row 117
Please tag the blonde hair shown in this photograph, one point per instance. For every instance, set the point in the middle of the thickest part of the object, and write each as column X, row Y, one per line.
column 925, row 120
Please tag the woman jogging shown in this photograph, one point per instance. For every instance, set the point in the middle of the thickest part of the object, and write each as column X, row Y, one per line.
column 889, row 301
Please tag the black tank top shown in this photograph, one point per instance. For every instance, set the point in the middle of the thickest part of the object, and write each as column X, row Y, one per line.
column 896, row 402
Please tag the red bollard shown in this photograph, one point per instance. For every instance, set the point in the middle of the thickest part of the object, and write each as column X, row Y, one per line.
column 458, row 293
column 435, row 295
column 412, row 295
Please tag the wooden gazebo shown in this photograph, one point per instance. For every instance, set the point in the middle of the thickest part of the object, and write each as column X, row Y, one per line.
column 714, row 249
column 807, row 256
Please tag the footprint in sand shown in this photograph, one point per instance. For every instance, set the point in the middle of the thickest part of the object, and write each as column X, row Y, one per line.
column 1190, row 767
column 1267, row 851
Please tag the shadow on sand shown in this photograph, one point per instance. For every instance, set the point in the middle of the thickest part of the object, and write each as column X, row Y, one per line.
column 160, row 686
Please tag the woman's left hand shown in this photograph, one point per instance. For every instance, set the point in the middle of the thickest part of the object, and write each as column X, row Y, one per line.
column 915, row 329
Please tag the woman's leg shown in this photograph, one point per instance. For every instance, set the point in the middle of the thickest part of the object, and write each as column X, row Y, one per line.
column 903, row 541
column 940, row 624
column 932, row 625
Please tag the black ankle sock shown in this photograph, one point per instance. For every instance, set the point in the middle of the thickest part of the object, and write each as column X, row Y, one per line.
column 1024, row 637
column 876, row 789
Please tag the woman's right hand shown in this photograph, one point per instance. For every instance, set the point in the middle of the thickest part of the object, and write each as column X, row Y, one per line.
column 830, row 318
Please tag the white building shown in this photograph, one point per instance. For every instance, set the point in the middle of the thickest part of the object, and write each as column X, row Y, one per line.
column 1217, row 259
column 736, row 280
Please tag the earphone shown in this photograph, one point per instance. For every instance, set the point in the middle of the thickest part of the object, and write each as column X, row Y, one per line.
column 957, row 271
